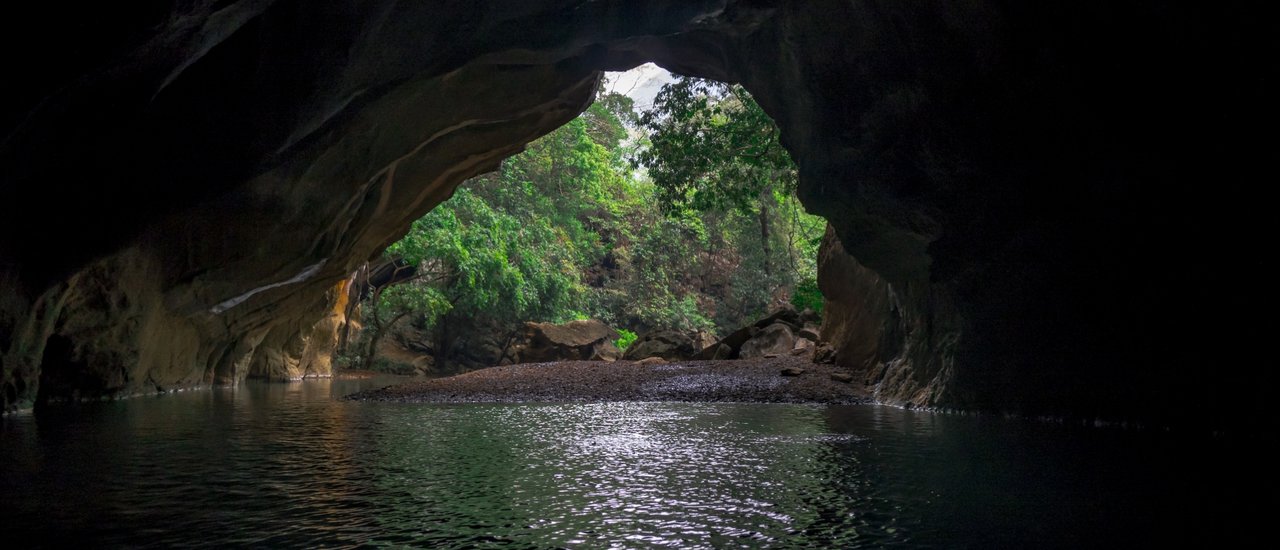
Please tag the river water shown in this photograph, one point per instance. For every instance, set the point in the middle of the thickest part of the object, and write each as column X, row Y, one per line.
column 293, row 465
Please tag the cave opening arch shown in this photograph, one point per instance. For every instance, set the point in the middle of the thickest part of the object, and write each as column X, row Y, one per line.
column 1010, row 172
column 645, row 213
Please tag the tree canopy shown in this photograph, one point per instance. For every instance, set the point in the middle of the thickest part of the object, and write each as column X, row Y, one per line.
column 713, row 148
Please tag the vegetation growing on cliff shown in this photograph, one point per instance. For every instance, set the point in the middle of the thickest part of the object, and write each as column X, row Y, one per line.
column 680, row 217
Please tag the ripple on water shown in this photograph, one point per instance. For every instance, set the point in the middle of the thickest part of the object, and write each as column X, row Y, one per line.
column 284, row 466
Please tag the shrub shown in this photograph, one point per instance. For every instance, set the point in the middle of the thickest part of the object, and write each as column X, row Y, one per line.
column 807, row 295
column 626, row 339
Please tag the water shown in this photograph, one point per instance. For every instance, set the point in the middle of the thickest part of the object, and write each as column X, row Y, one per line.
column 290, row 465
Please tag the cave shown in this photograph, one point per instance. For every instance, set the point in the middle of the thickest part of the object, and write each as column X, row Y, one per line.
column 1041, row 209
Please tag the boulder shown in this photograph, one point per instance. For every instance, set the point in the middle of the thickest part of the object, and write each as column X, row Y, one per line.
column 703, row 340
column 722, row 351
column 731, row 342
column 803, row 347
column 775, row 339
column 734, row 341
column 573, row 341
column 671, row 345
column 651, row 361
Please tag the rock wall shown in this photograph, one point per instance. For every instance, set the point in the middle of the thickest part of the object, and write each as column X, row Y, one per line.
column 878, row 333
column 1055, row 194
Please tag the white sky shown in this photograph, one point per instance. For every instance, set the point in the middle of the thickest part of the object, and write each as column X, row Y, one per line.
column 641, row 84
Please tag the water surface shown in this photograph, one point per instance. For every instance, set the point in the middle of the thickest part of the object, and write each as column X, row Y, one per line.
column 291, row 465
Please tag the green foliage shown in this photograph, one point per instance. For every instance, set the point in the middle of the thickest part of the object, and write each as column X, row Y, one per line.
column 626, row 339
column 708, row 237
column 714, row 151
column 807, row 295
column 713, row 148
column 382, row 364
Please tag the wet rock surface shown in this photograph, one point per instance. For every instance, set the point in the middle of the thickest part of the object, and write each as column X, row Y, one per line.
column 760, row 380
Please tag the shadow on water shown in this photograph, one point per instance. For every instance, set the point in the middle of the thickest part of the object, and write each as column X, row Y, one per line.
column 290, row 465
column 987, row 482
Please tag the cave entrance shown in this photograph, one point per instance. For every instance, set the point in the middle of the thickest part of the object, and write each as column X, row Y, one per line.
column 662, row 220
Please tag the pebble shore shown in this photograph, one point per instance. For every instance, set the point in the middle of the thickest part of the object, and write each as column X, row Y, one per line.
column 750, row 380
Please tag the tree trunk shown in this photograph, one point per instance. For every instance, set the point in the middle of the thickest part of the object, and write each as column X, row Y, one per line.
column 506, row 346
column 765, row 197
column 442, row 342
column 378, row 332
column 366, row 362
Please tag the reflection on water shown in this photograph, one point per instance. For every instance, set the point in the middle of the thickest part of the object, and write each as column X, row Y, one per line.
column 290, row 465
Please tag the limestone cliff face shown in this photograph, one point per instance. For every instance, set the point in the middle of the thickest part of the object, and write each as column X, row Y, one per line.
column 1045, row 190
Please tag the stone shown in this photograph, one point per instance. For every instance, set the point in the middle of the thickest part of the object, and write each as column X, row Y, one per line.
column 703, row 340
column 825, row 354
column 792, row 371
column 651, row 361
column 667, row 344
column 588, row 339
column 803, row 348
column 775, row 339
column 732, row 343
column 842, row 377
column 722, row 351
column 607, row 352
column 810, row 332
column 735, row 340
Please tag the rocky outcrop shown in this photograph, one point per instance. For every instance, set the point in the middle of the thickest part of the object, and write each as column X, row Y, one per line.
column 867, row 329
column 1057, row 197
column 587, row 339
column 672, row 345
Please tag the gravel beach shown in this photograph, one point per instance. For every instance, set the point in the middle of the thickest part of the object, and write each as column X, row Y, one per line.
column 752, row 380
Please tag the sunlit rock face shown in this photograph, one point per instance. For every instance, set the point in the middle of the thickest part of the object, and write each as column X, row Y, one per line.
column 1046, row 191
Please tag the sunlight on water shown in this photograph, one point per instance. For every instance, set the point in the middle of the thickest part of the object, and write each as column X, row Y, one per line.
column 288, row 465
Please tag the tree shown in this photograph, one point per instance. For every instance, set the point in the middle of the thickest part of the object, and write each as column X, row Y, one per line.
column 410, row 289
column 714, row 150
